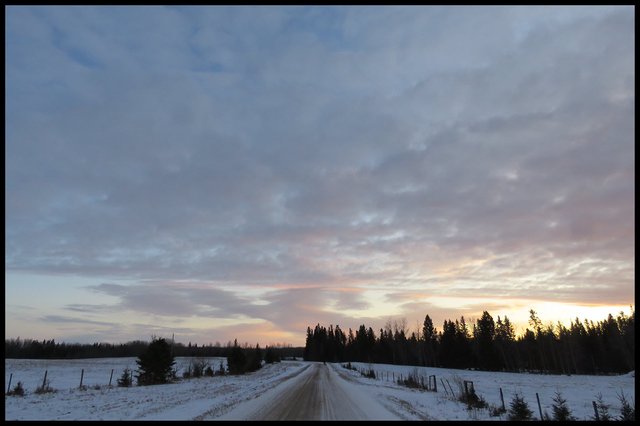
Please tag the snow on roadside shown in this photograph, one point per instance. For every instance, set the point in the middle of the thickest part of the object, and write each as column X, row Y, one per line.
column 201, row 398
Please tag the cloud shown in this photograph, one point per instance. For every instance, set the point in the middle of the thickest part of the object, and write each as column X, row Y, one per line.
column 65, row 319
column 464, row 150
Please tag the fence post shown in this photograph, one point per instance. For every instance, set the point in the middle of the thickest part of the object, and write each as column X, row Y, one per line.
column 9, row 387
column 502, row 399
column 44, row 381
column 111, row 377
column 595, row 410
column 539, row 406
column 81, row 377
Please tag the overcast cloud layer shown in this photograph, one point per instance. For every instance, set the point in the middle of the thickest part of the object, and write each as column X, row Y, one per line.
column 274, row 165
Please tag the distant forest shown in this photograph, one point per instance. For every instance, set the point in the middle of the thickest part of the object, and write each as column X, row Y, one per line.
column 50, row 349
column 606, row 347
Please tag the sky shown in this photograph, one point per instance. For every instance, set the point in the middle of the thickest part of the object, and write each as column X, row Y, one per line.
column 245, row 172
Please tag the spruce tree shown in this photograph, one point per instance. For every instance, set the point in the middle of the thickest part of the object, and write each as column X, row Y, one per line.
column 271, row 356
column 603, row 409
column 255, row 359
column 560, row 410
column 627, row 412
column 519, row 409
column 125, row 378
column 236, row 360
column 155, row 364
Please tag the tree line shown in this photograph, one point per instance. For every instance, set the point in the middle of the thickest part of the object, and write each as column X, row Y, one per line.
column 50, row 349
column 584, row 347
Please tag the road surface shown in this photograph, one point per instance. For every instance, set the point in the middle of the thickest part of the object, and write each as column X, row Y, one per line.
column 317, row 393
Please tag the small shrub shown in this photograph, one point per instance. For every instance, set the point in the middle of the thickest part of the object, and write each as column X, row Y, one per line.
column 519, row 409
column 125, row 379
column 495, row 411
column 468, row 396
column 561, row 411
column 17, row 390
column 369, row 373
column 198, row 366
column 220, row 371
column 348, row 366
column 45, row 388
column 412, row 380
column 208, row 371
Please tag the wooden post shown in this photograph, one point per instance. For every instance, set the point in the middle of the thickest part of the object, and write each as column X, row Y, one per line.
column 539, row 406
column 9, row 387
column 111, row 377
column 81, row 377
column 502, row 399
column 595, row 410
column 468, row 387
column 44, row 381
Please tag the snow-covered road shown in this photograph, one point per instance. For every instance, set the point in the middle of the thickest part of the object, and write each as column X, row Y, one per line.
column 319, row 392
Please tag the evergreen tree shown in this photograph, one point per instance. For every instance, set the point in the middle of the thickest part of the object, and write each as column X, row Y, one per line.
column 603, row 409
column 605, row 347
column 155, row 364
column 519, row 409
column 627, row 412
column 485, row 335
column 561, row 411
column 429, row 336
column 271, row 356
column 448, row 348
column 504, row 343
column 236, row 360
column 255, row 359
column 125, row 379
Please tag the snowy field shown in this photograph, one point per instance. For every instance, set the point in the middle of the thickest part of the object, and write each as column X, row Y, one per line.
column 209, row 398
column 65, row 374
column 578, row 390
